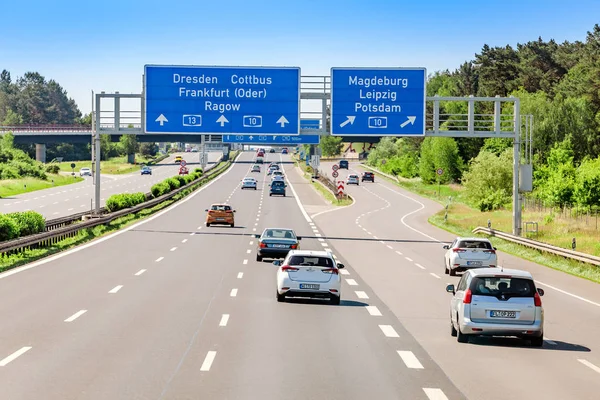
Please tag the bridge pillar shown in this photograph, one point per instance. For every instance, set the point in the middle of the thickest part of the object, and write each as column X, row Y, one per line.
column 40, row 152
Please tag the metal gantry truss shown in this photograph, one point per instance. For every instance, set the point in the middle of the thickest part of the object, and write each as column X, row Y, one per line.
column 485, row 117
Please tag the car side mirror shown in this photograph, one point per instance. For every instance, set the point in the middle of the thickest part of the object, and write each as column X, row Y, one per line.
column 450, row 289
column 446, row 247
column 540, row 291
column 257, row 236
column 234, row 210
column 340, row 265
column 277, row 263
column 206, row 210
column 495, row 248
column 299, row 237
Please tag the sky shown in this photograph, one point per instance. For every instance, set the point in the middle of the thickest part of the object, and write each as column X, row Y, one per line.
column 103, row 46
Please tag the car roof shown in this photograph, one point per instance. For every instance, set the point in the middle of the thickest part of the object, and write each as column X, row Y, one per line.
column 474, row 239
column 484, row 272
column 280, row 229
column 314, row 253
column 220, row 204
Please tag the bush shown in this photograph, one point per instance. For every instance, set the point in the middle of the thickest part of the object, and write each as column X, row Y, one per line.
column 198, row 171
column 28, row 222
column 8, row 228
column 489, row 191
column 53, row 169
column 121, row 201
column 173, row 183
column 159, row 189
column 8, row 171
column 181, row 179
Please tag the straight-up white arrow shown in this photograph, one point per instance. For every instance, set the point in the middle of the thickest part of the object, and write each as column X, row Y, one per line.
column 350, row 120
column 410, row 120
column 222, row 120
column 162, row 119
column 282, row 121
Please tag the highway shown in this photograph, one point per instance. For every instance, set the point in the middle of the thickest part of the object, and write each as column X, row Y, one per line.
column 78, row 197
column 171, row 309
column 400, row 257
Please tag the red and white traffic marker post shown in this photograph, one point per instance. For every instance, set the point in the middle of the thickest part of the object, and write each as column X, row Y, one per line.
column 340, row 189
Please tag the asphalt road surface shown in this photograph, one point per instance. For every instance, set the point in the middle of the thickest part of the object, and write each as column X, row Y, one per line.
column 171, row 309
column 78, row 197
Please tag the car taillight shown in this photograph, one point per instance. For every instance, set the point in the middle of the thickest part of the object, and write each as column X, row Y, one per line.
column 333, row 271
column 287, row 268
column 459, row 250
column 228, row 211
column 468, row 296
column 263, row 245
column 537, row 300
column 294, row 246
column 490, row 251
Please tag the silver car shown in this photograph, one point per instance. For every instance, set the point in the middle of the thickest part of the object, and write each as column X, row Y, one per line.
column 466, row 253
column 352, row 180
column 249, row 183
column 497, row 302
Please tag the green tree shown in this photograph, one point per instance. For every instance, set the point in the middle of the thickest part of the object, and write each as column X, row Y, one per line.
column 587, row 183
column 487, row 190
column 128, row 144
column 12, row 118
column 331, row 146
column 439, row 153
column 498, row 70
column 148, row 149
column 386, row 149
column 556, row 180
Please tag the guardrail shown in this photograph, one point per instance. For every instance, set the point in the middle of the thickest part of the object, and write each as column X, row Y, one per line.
column 61, row 228
column 545, row 247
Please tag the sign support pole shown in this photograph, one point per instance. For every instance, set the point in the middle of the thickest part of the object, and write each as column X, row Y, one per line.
column 97, row 153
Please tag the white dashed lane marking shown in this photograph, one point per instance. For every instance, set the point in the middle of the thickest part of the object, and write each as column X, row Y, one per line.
column 435, row 394
column 233, row 292
column 75, row 316
column 210, row 357
column 344, row 272
column 434, row 275
column 361, row 295
column 420, row 266
column 351, row 282
column 224, row 320
column 408, row 259
column 173, row 248
column 388, row 331
column 410, row 359
column 159, row 259
column 115, row 289
column 240, row 275
column 141, row 271
column 14, row 356
column 374, row 311
column 184, row 240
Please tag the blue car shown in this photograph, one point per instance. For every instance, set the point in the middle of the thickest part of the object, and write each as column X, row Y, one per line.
column 146, row 171
column 278, row 188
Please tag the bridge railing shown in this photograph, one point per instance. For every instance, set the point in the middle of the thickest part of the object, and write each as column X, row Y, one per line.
column 46, row 128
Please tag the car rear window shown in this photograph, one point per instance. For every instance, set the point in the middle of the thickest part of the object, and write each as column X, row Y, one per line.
column 279, row 234
column 220, row 208
column 474, row 244
column 277, row 183
column 502, row 286
column 308, row 261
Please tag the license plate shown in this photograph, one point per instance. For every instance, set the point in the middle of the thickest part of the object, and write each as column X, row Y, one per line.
column 309, row 286
column 220, row 219
column 475, row 263
column 280, row 246
column 503, row 314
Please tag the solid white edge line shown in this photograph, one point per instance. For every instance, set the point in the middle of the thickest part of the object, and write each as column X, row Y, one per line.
column 224, row 320
column 389, row 331
column 75, row 316
column 120, row 232
column 374, row 311
column 141, row 271
column 233, row 293
column 115, row 289
column 435, row 394
column 410, row 359
column 589, row 365
column 14, row 355
column 569, row 294
column 210, row 357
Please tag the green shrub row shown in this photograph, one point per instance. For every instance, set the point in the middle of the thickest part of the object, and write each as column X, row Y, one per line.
column 53, row 169
column 121, row 201
column 174, row 182
column 18, row 224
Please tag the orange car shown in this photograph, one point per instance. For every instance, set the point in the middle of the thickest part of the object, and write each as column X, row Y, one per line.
column 220, row 214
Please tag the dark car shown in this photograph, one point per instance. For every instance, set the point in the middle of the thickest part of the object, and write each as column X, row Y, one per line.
column 343, row 164
column 277, row 187
column 284, row 151
column 368, row 176
column 272, row 150
column 146, row 171
column 276, row 243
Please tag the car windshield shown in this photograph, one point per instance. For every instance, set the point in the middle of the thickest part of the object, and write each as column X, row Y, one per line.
column 474, row 244
column 279, row 234
column 220, row 207
column 311, row 261
column 503, row 286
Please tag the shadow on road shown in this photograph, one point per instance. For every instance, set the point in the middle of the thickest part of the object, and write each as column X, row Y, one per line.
column 524, row 343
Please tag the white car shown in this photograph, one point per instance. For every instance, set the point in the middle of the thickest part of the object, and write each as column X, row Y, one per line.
column 249, row 183
column 308, row 273
column 353, row 180
column 467, row 253
column 85, row 172
column 497, row 302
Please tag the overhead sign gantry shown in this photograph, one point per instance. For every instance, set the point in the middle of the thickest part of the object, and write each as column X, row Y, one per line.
column 221, row 100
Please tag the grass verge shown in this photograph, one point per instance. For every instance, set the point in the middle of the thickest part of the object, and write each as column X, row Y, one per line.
column 462, row 219
column 319, row 187
column 114, row 166
column 13, row 187
column 86, row 235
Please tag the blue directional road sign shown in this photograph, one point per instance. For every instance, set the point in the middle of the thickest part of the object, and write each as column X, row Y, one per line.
column 378, row 101
column 272, row 139
column 221, row 100
column 313, row 124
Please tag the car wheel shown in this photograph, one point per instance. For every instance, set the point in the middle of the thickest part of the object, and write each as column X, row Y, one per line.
column 270, row 194
column 258, row 258
column 232, row 225
column 254, row 188
column 461, row 337
column 452, row 272
column 537, row 341
column 453, row 331
column 280, row 298
column 335, row 300
column 446, row 271
column 207, row 224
